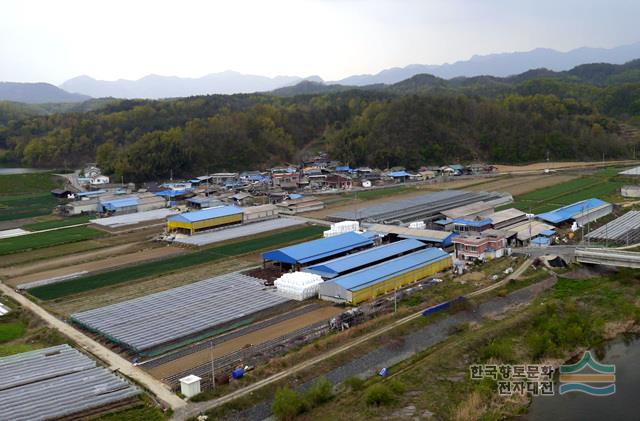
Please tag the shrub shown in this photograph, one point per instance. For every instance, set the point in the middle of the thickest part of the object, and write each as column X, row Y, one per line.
column 378, row 394
column 354, row 383
column 287, row 404
column 320, row 392
column 397, row 386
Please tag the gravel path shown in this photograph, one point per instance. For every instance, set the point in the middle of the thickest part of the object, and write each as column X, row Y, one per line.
column 386, row 356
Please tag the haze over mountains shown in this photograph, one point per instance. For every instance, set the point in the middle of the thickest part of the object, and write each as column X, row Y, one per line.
column 230, row 82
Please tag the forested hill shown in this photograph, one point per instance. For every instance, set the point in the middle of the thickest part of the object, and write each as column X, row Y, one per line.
column 570, row 115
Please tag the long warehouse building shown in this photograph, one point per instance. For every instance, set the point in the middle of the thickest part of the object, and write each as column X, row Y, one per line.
column 318, row 250
column 356, row 261
column 205, row 219
column 371, row 282
column 165, row 320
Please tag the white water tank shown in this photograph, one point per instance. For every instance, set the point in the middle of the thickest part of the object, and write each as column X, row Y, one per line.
column 417, row 225
column 190, row 385
column 299, row 285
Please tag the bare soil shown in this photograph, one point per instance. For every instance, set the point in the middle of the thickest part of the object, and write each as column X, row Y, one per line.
column 132, row 255
column 253, row 338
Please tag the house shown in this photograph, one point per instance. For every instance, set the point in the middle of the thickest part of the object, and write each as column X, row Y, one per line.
column 100, row 179
column 242, row 199
column 202, row 202
column 337, row 181
column 482, row 246
column 399, row 176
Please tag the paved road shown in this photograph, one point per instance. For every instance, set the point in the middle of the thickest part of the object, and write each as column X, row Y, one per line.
column 193, row 409
column 115, row 361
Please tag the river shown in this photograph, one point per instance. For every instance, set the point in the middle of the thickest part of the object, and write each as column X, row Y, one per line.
column 623, row 405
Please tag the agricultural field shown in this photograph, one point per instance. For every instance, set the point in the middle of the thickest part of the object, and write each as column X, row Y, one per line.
column 21, row 331
column 57, row 223
column 47, row 239
column 27, row 195
column 602, row 185
column 87, row 283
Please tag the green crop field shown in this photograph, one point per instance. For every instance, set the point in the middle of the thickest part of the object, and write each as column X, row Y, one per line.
column 58, row 223
column 88, row 283
column 27, row 195
column 47, row 239
column 601, row 186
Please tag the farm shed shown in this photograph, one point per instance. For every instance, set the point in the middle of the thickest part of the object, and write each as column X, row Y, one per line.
column 355, row 261
column 630, row 191
column 435, row 237
column 259, row 213
column 581, row 212
column 527, row 230
column 506, row 217
column 470, row 211
column 121, row 205
column 318, row 250
column 59, row 383
column 149, row 202
column 205, row 219
column 382, row 278
column 158, row 322
column 296, row 206
column 80, row 207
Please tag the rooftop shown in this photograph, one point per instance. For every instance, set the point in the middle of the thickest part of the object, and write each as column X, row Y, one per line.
column 391, row 268
column 204, row 214
column 568, row 212
column 323, row 248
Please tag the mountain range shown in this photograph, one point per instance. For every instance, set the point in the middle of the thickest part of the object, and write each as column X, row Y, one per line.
column 229, row 82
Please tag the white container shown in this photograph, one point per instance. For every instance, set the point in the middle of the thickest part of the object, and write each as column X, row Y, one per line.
column 190, row 385
column 417, row 225
column 341, row 228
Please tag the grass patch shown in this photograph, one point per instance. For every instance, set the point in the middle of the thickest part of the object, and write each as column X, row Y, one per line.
column 20, row 184
column 27, row 195
column 87, row 283
column 12, row 330
column 143, row 412
column 58, row 223
column 47, row 239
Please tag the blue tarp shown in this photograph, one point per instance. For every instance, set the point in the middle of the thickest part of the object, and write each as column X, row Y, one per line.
column 568, row 212
column 541, row 241
column 470, row 223
column 205, row 214
column 548, row 233
column 295, row 196
column 338, row 266
column 343, row 168
column 315, row 250
column 389, row 269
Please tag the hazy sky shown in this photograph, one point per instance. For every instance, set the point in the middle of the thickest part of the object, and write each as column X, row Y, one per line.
column 56, row 40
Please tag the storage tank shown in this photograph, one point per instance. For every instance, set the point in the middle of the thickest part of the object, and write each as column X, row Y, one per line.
column 299, row 285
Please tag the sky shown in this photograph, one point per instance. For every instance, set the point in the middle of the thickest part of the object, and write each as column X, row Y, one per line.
column 53, row 41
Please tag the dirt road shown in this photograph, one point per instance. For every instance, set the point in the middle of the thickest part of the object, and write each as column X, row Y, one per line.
column 97, row 265
column 113, row 360
column 193, row 409
column 541, row 166
column 253, row 338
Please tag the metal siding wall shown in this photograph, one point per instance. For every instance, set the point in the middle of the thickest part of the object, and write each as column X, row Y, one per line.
column 406, row 278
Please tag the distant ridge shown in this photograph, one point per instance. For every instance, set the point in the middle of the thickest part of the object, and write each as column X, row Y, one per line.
column 37, row 93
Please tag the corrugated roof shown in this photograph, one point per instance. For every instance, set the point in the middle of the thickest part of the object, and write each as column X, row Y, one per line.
column 568, row 212
column 418, row 234
column 335, row 267
column 383, row 271
column 472, row 223
column 528, row 229
column 204, row 214
column 119, row 203
column 466, row 210
column 398, row 174
column 505, row 215
column 314, row 250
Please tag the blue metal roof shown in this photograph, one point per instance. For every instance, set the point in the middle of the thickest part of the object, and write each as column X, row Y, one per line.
column 542, row 241
column 172, row 193
column 389, row 269
column 323, row 248
column 335, row 267
column 114, row 204
column 343, row 168
column 398, row 174
column 548, row 233
column 205, row 214
column 444, row 241
column 471, row 223
column 295, row 196
column 90, row 193
column 568, row 212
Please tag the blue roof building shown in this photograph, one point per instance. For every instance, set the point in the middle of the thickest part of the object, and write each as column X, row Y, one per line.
column 373, row 281
column 121, row 205
column 355, row 261
column 317, row 250
column 205, row 219
column 581, row 212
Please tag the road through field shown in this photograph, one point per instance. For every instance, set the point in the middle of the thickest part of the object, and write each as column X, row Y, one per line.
column 253, row 338
column 113, row 360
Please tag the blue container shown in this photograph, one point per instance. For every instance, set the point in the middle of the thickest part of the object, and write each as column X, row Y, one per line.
column 238, row 373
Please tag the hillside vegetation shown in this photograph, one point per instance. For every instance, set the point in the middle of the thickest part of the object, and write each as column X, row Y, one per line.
column 423, row 120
